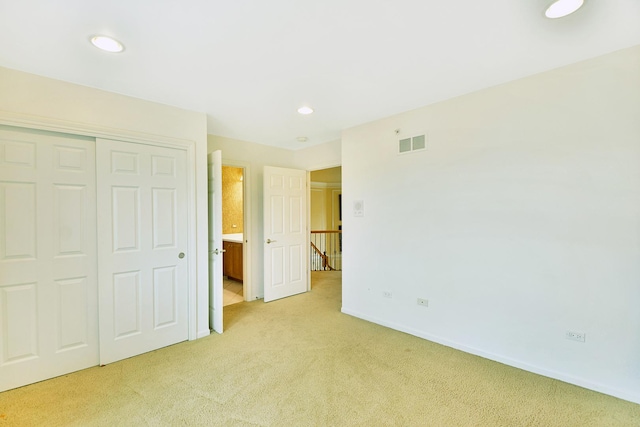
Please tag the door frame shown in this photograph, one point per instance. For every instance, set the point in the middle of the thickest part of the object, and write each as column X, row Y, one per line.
column 96, row 131
column 309, row 170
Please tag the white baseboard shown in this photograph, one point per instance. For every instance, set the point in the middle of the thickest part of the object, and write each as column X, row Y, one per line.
column 581, row 382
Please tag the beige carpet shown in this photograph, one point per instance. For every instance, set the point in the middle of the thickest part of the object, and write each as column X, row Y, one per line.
column 300, row 362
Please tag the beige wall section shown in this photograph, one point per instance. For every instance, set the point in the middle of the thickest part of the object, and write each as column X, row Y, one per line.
column 519, row 222
column 329, row 183
column 327, row 176
column 23, row 93
column 318, row 204
column 232, row 200
column 34, row 101
column 325, row 208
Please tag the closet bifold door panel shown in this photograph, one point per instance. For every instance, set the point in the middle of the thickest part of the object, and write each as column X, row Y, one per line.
column 48, row 276
column 142, row 245
column 93, row 262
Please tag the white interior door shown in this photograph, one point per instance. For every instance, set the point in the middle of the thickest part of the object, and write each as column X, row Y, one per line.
column 142, row 239
column 285, row 232
column 215, row 241
column 48, row 283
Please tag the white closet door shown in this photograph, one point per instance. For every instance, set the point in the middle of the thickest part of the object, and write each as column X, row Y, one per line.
column 48, row 283
column 142, row 241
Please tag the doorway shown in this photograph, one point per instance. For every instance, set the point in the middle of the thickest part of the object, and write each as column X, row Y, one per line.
column 233, row 234
column 326, row 221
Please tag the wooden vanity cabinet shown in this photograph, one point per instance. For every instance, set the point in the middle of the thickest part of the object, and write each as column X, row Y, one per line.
column 232, row 260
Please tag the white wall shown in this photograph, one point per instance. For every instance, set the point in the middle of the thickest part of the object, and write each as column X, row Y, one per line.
column 256, row 156
column 32, row 101
column 320, row 156
column 521, row 221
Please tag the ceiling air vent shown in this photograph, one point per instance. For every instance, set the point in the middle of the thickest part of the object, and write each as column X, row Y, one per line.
column 415, row 143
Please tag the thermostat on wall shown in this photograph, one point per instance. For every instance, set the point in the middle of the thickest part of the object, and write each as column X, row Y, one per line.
column 358, row 208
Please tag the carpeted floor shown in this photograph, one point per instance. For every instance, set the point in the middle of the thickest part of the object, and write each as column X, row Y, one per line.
column 300, row 362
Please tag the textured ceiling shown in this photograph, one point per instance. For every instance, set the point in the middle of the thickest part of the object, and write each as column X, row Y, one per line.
column 249, row 64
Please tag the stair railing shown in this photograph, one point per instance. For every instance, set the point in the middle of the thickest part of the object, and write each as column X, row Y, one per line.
column 326, row 250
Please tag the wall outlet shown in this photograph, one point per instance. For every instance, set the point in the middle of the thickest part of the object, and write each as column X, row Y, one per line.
column 576, row 336
column 387, row 294
column 423, row 302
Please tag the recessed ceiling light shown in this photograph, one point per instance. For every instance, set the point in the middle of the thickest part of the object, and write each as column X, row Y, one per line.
column 302, row 139
column 107, row 44
column 305, row 110
column 561, row 8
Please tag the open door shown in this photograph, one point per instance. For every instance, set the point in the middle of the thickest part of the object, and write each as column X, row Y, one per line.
column 285, row 233
column 215, row 240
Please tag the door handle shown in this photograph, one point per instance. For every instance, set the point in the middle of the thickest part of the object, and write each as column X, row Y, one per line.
column 181, row 255
column 270, row 241
column 217, row 251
